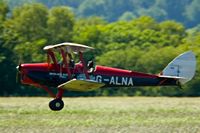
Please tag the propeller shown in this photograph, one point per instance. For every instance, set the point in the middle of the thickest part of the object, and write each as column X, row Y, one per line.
column 18, row 68
column 18, row 74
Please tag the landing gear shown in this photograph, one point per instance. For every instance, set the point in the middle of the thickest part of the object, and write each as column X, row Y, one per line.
column 56, row 104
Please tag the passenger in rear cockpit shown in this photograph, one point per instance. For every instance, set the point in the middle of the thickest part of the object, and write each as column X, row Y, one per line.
column 90, row 66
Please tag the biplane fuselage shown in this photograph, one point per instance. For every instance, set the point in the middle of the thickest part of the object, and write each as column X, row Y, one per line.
column 67, row 75
column 46, row 74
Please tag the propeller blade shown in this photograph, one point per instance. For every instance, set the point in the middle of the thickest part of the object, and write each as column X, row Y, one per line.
column 18, row 75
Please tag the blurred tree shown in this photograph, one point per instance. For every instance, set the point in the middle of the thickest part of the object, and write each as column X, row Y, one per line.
column 88, row 31
column 174, row 8
column 192, row 12
column 60, row 25
column 89, row 6
column 110, row 10
column 155, row 60
column 120, row 58
column 27, row 24
column 141, row 44
column 52, row 3
column 155, row 12
column 3, row 10
column 184, row 11
column 7, row 65
column 30, row 21
column 172, row 33
column 127, row 16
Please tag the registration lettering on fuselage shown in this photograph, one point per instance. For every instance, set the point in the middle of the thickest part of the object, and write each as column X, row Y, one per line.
column 110, row 80
column 115, row 80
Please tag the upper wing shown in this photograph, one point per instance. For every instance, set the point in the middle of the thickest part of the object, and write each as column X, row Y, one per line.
column 80, row 85
column 70, row 47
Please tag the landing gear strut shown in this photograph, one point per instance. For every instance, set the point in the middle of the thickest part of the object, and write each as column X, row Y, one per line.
column 57, row 103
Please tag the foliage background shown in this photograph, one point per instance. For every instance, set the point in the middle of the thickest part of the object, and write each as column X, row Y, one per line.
column 139, row 35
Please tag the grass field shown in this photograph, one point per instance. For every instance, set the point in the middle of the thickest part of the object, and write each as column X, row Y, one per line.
column 101, row 115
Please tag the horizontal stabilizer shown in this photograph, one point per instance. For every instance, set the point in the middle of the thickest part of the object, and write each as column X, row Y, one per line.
column 173, row 77
column 81, row 85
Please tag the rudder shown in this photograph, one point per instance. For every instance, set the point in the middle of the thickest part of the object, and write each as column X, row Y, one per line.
column 182, row 66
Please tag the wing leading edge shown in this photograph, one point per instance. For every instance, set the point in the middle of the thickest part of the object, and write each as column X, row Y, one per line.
column 70, row 47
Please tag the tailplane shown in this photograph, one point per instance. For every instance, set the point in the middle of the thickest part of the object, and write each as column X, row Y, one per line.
column 182, row 67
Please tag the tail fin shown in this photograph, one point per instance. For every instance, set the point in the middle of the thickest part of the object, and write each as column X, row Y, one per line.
column 182, row 67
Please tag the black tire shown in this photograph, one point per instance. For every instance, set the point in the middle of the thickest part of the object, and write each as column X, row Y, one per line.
column 56, row 104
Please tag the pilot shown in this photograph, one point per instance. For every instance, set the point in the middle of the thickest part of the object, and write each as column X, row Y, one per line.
column 71, row 61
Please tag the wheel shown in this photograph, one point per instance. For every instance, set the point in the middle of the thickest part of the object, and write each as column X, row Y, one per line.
column 56, row 104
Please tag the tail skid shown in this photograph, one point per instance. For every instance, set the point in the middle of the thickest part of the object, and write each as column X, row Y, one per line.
column 182, row 67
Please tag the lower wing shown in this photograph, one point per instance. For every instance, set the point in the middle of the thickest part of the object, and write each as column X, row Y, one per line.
column 81, row 85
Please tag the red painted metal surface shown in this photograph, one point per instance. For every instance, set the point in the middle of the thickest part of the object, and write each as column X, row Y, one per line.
column 50, row 67
column 103, row 70
column 60, row 93
column 36, row 66
column 99, row 70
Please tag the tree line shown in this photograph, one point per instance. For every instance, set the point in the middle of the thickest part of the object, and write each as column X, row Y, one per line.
column 141, row 44
column 184, row 11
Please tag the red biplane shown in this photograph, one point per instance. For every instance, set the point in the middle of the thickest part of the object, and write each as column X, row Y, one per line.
column 82, row 76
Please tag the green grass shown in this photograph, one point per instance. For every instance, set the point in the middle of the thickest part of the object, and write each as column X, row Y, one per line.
column 101, row 115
